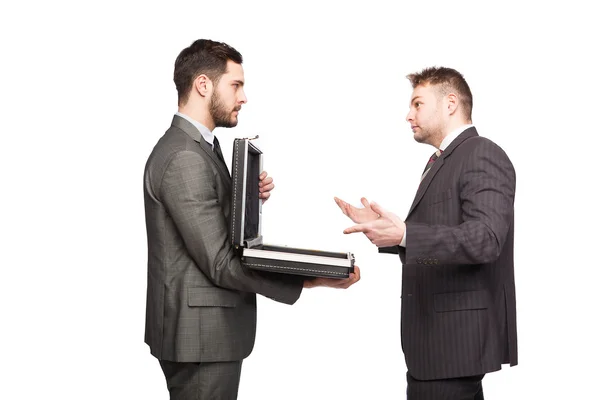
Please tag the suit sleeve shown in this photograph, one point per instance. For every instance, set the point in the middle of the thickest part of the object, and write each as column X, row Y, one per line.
column 189, row 194
column 486, row 191
column 389, row 250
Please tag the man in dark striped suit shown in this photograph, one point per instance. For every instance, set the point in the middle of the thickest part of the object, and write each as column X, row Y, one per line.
column 456, row 247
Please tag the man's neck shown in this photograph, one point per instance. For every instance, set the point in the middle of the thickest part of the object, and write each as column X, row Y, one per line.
column 202, row 117
column 448, row 129
column 453, row 134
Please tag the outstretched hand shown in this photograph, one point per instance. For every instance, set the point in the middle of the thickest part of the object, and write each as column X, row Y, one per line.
column 357, row 215
column 334, row 283
column 385, row 231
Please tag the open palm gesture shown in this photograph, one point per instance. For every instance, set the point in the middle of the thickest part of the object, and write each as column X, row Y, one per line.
column 357, row 215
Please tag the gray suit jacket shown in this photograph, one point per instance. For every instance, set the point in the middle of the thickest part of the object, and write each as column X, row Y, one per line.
column 458, row 290
column 201, row 302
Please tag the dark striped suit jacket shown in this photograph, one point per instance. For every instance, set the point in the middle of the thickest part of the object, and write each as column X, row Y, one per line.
column 458, row 291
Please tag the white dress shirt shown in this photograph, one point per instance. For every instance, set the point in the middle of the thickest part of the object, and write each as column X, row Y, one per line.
column 204, row 131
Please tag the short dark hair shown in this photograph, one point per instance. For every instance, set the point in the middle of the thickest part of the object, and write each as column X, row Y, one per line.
column 449, row 80
column 202, row 57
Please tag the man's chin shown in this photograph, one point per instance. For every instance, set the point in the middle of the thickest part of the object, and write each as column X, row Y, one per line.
column 232, row 123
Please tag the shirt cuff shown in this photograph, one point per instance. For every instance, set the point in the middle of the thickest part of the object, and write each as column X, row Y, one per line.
column 403, row 241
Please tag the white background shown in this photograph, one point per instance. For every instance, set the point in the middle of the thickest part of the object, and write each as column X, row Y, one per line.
column 86, row 91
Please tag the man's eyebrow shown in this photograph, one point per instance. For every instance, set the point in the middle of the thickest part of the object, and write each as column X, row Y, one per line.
column 238, row 81
column 414, row 98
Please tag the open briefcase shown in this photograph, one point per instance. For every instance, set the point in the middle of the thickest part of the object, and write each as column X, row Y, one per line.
column 246, row 238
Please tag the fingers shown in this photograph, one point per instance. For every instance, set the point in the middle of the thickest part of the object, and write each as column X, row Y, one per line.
column 354, row 277
column 264, row 196
column 265, row 181
column 379, row 210
column 265, row 185
column 357, row 228
column 344, row 284
column 342, row 205
column 351, row 280
column 266, row 188
column 333, row 282
column 356, row 273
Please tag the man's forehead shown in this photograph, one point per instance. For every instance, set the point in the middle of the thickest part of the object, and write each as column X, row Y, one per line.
column 234, row 70
column 422, row 90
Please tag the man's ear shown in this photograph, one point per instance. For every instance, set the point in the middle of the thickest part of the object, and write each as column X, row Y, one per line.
column 452, row 103
column 203, row 85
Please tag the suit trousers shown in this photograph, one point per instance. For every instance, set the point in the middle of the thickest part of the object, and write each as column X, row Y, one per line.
column 202, row 381
column 464, row 388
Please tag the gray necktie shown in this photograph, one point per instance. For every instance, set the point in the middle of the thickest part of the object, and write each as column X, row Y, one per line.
column 430, row 163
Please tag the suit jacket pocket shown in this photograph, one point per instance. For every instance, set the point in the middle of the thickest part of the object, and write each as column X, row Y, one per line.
column 212, row 297
column 440, row 196
column 456, row 301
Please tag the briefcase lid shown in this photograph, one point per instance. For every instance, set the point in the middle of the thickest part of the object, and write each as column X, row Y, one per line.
column 246, row 206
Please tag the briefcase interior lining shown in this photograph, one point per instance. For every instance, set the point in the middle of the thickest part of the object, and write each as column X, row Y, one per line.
column 246, row 221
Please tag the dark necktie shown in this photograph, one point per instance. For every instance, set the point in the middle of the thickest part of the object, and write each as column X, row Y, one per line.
column 217, row 149
column 430, row 163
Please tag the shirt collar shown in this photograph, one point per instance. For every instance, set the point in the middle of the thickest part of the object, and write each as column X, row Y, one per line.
column 204, row 131
column 453, row 135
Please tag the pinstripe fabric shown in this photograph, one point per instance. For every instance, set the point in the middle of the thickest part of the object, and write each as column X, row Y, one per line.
column 201, row 303
column 458, row 293
column 464, row 388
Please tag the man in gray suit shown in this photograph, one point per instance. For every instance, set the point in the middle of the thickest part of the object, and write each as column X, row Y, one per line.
column 201, row 302
column 456, row 247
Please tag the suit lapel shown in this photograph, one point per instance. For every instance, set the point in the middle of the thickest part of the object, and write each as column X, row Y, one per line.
column 192, row 132
column 439, row 163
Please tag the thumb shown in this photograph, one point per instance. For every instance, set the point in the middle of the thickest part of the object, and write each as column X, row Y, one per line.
column 365, row 202
column 379, row 210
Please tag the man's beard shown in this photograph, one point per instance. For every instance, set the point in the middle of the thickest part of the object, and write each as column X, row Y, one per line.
column 220, row 114
column 433, row 131
column 429, row 134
